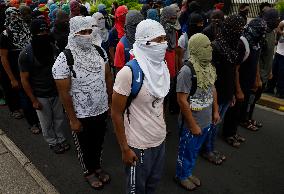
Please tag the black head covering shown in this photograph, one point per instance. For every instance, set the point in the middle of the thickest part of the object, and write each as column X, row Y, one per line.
column 193, row 20
column 271, row 16
column 255, row 31
column 229, row 37
column 38, row 26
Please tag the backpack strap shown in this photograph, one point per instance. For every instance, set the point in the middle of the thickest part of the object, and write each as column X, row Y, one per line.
column 193, row 78
column 137, row 82
column 101, row 52
column 126, row 44
column 70, row 61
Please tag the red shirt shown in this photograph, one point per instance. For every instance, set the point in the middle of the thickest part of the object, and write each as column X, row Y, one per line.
column 119, row 59
column 170, row 58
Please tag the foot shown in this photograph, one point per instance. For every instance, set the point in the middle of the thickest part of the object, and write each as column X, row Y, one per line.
column 213, row 158
column 57, row 149
column 240, row 138
column 186, row 184
column 195, row 180
column 94, row 182
column 256, row 123
column 232, row 141
column 17, row 114
column 220, row 154
column 103, row 176
column 66, row 146
column 248, row 125
column 35, row 129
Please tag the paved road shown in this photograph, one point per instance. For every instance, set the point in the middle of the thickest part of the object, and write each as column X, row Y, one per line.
column 256, row 168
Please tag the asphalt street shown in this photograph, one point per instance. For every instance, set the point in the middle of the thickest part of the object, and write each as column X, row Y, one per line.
column 255, row 168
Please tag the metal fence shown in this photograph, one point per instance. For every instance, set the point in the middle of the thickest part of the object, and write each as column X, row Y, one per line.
column 233, row 6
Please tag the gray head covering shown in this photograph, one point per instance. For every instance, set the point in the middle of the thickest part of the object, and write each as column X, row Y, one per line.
column 169, row 25
column 133, row 18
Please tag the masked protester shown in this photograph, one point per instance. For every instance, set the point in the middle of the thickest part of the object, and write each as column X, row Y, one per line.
column 108, row 20
column 35, row 63
column 197, row 111
column 142, row 140
column 248, row 79
column 16, row 37
column 122, row 53
column 75, row 8
column 244, row 11
column 26, row 13
column 170, row 24
column 60, row 30
column 153, row 15
column 272, row 19
column 118, row 31
column 100, row 23
column 225, row 57
column 215, row 26
column 84, row 90
column 195, row 26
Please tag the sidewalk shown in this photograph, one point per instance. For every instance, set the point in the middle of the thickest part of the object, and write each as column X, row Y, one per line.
column 18, row 175
column 272, row 102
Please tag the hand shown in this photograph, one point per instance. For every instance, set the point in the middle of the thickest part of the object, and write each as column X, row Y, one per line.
column 233, row 102
column 76, row 126
column 196, row 130
column 15, row 84
column 215, row 117
column 240, row 96
column 129, row 157
column 37, row 105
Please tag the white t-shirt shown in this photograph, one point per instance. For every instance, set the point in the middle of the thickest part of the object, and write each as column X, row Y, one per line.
column 280, row 45
column 183, row 43
column 88, row 89
column 147, row 127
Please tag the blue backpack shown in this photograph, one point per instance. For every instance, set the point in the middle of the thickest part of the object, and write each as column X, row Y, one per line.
column 127, row 48
column 137, row 82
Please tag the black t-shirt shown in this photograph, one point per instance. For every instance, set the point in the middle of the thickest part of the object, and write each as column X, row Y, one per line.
column 225, row 70
column 13, row 52
column 40, row 75
column 248, row 69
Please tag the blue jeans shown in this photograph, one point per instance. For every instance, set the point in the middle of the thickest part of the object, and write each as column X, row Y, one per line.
column 189, row 146
column 210, row 140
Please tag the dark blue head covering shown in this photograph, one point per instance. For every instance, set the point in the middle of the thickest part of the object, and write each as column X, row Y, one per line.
column 153, row 15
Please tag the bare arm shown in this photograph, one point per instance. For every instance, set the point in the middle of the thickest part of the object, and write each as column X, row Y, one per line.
column 187, row 114
column 63, row 87
column 108, row 77
column 179, row 56
column 239, row 92
column 215, row 111
column 111, row 53
column 117, row 111
column 6, row 65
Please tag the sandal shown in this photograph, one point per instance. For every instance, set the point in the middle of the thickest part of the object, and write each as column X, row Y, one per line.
column 35, row 129
column 233, row 142
column 195, row 180
column 17, row 114
column 239, row 138
column 103, row 176
column 94, row 182
column 248, row 125
column 221, row 155
column 213, row 158
column 256, row 123
column 185, row 184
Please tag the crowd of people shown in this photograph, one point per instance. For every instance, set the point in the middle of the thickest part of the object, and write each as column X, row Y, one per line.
column 61, row 64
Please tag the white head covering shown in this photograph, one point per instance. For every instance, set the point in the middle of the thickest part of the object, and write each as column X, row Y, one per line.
column 99, row 21
column 89, row 59
column 157, row 77
column 97, row 39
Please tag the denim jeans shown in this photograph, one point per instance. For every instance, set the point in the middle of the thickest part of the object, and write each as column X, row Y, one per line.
column 210, row 140
column 189, row 146
column 52, row 119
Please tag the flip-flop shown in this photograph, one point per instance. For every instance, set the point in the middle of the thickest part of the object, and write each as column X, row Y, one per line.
column 103, row 176
column 93, row 180
column 185, row 184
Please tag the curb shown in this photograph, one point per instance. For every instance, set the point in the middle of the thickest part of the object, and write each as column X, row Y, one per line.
column 45, row 185
column 271, row 102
